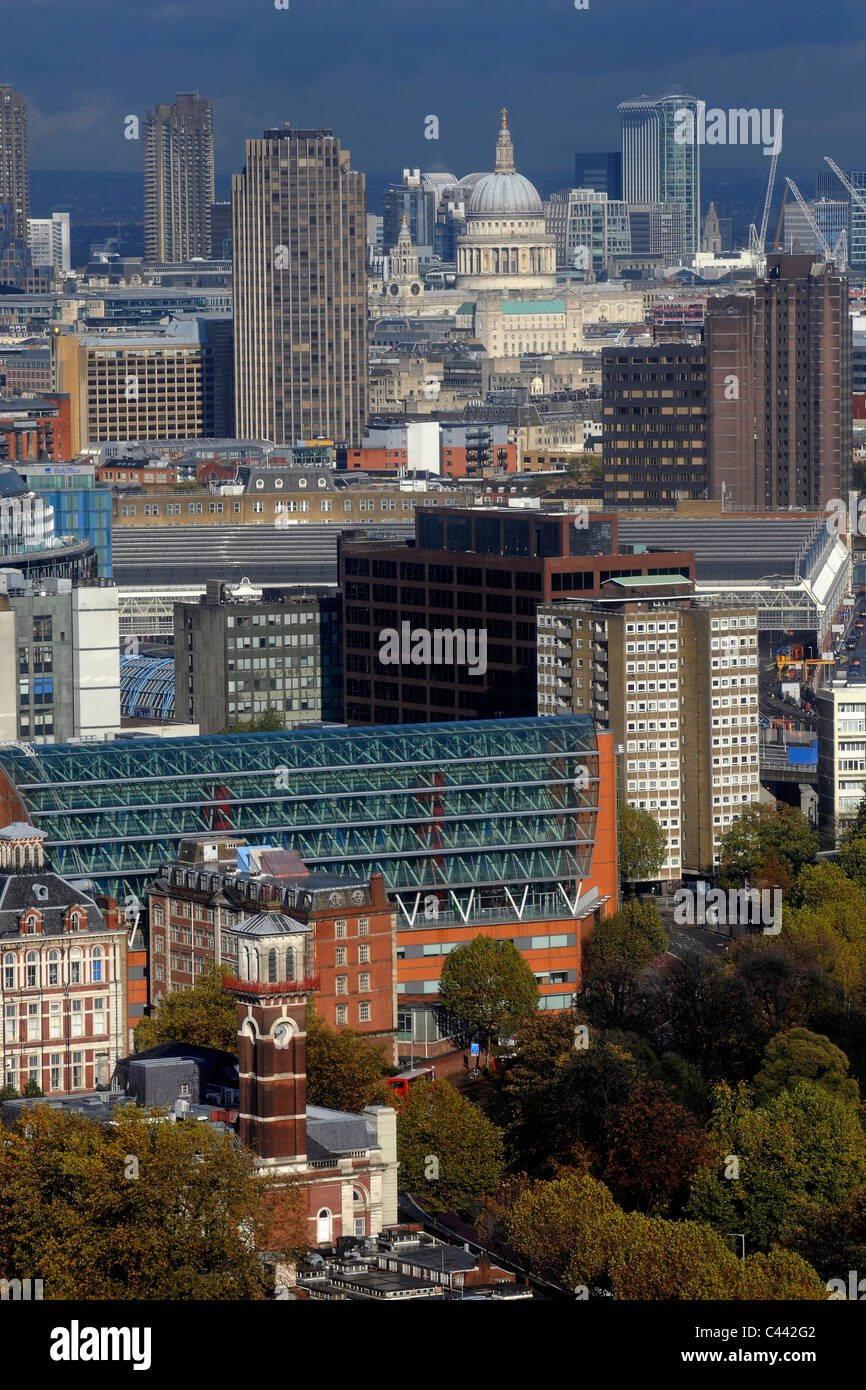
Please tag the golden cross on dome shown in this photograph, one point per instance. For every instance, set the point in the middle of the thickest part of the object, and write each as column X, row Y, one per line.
column 504, row 116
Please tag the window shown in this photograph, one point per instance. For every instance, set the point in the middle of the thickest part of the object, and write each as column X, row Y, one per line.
column 78, row 1018
column 55, row 1019
column 53, row 967
column 342, row 1013
column 340, row 956
column 99, row 1015
column 363, row 926
column 342, row 984
column 363, row 955
column 11, row 1022
column 31, row 969
column 9, row 972
column 364, row 982
column 34, row 1023
column 364, row 1011
column 77, row 1070
column 340, row 930
column 55, row 1072
column 96, row 964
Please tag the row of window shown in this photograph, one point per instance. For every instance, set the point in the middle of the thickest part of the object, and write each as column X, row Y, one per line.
column 31, row 1024
column 28, row 977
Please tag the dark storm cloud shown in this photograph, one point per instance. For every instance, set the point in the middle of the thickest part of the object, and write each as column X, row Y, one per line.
column 373, row 69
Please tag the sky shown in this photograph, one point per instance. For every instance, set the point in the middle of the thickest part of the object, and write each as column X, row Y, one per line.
column 373, row 71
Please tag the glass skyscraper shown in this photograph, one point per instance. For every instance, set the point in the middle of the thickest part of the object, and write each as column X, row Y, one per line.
column 656, row 166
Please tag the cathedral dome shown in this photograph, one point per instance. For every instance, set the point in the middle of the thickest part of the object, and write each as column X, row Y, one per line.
column 496, row 195
column 504, row 192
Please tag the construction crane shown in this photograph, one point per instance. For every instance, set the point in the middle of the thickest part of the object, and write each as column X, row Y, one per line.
column 839, row 254
column 856, row 193
column 758, row 240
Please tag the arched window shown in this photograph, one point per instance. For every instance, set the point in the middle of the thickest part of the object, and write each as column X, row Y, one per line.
column 9, row 971
column 96, row 964
column 246, row 964
column 54, row 967
column 302, row 482
column 32, row 969
column 323, row 1227
column 272, row 967
column 75, row 966
column 278, row 482
column 290, row 963
column 74, row 921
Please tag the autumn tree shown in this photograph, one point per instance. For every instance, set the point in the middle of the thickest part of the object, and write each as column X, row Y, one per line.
column 653, row 1147
column 800, row 1055
column 643, row 844
column 449, row 1152
column 564, row 1229
column 345, row 1069
column 139, row 1209
column 488, row 985
column 203, row 1015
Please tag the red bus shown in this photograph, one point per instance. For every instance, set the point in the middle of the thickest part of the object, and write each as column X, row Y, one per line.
column 401, row 1083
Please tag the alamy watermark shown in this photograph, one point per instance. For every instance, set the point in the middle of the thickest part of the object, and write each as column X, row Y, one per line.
column 843, row 519
column 441, row 646
column 739, row 906
column 738, row 126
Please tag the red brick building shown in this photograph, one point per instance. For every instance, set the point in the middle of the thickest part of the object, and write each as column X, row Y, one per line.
column 33, row 429
column 217, row 882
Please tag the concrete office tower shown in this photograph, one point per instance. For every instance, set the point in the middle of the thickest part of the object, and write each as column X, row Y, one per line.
column 656, row 167
column 675, row 678
column 779, row 384
column 299, row 222
column 178, row 179
column 14, row 164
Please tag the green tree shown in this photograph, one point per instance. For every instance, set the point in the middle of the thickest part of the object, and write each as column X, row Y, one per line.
column 138, row 1210
column 761, row 831
column 804, row 1147
column 852, row 858
column 345, row 1069
column 633, row 935
column 643, row 844
column 621, row 946
column 488, row 985
column 204, row 1015
column 800, row 1055
column 32, row 1090
column 449, row 1152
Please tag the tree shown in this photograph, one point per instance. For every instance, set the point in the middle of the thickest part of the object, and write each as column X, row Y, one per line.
column 564, row 1229
column 852, row 858
column 203, row 1015
column 634, row 935
column 621, row 947
column 449, row 1152
column 833, row 1237
column 653, row 1147
column 664, row 1260
column 32, row 1089
column 643, row 844
column 488, row 985
column 800, row 1055
column 804, row 1147
column 761, row 831
column 345, row 1069
column 138, row 1209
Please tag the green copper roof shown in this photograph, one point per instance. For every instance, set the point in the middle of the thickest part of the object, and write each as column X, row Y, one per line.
column 467, row 307
column 533, row 306
column 641, row 581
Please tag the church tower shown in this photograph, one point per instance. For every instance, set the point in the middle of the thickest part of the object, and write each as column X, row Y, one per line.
column 271, row 990
column 403, row 285
column 712, row 238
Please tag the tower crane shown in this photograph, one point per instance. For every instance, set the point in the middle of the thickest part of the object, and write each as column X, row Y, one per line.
column 839, row 254
column 758, row 240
